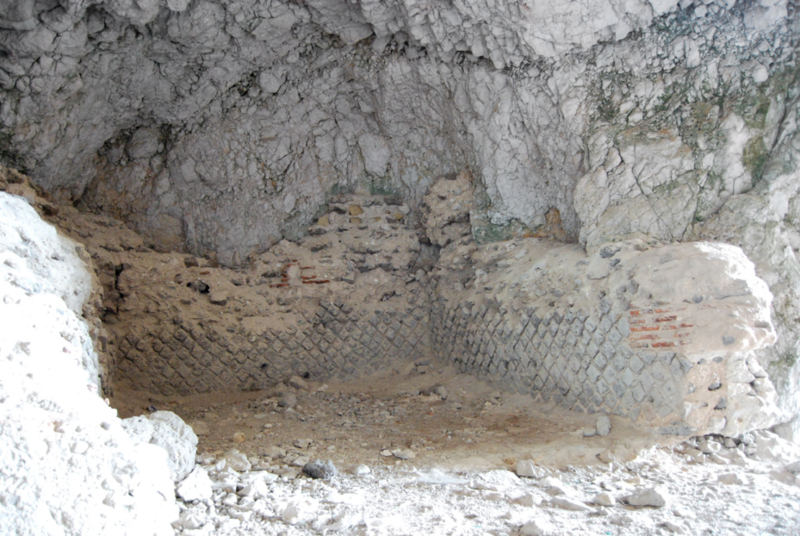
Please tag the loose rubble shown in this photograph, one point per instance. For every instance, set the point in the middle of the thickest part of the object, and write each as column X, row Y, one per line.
column 658, row 492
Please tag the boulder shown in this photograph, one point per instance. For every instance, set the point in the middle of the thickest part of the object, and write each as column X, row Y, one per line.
column 168, row 431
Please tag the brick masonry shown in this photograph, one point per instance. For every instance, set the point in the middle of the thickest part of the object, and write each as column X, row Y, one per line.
column 658, row 327
column 663, row 335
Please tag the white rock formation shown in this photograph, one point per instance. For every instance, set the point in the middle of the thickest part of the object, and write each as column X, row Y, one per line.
column 168, row 431
column 66, row 464
column 196, row 486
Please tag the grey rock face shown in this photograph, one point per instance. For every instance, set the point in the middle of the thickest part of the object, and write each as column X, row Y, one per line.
column 324, row 470
column 256, row 97
column 144, row 143
column 17, row 14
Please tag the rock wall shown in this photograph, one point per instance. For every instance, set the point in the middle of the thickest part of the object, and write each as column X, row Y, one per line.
column 176, row 116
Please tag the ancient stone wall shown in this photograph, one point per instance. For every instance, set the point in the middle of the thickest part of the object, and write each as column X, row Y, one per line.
column 663, row 334
column 331, row 343
column 337, row 304
column 220, row 127
column 677, row 364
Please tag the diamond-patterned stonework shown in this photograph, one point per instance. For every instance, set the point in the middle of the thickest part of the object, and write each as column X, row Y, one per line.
column 328, row 344
column 580, row 360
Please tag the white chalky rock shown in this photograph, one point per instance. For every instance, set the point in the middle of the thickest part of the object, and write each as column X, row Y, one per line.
column 525, row 500
column 730, row 479
column 537, row 527
column 237, row 461
column 500, row 478
column 38, row 259
column 168, row 431
column 603, row 499
column 196, row 486
column 528, row 468
column 361, row 470
column 603, row 426
column 257, row 489
column 553, row 486
column 647, row 497
column 569, row 504
column 67, row 467
column 671, row 527
column 299, row 510
column 192, row 520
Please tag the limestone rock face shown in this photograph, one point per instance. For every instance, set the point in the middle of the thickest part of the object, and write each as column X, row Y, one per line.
column 273, row 104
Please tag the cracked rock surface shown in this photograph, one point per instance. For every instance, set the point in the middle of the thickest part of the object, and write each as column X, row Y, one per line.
column 221, row 127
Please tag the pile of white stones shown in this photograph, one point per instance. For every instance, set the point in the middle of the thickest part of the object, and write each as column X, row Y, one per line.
column 702, row 485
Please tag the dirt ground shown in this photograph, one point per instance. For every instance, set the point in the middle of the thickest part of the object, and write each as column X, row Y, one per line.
column 443, row 418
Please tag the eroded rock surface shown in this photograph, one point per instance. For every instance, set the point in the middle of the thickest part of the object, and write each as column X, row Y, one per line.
column 176, row 115
column 66, row 464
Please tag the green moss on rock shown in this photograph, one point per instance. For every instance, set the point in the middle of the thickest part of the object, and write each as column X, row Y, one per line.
column 754, row 158
column 381, row 186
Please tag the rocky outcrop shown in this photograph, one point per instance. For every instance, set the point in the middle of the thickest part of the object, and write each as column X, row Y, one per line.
column 67, row 465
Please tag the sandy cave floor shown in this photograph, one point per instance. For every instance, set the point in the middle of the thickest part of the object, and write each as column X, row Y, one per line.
column 445, row 464
column 475, row 426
